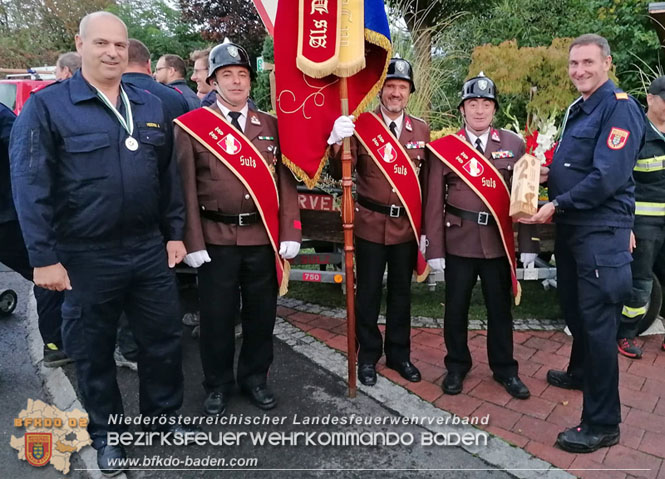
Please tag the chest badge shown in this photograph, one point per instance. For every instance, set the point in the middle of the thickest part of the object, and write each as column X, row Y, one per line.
column 388, row 153
column 474, row 167
column 229, row 144
column 617, row 138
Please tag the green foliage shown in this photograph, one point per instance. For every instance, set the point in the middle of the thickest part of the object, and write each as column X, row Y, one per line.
column 261, row 90
column 160, row 26
column 533, row 80
column 632, row 37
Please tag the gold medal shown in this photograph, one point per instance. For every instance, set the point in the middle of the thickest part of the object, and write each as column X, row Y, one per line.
column 131, row 143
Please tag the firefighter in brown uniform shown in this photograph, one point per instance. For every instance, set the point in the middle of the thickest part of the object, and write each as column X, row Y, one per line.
column 464, row 238
column 226, row 232
column 383, row 232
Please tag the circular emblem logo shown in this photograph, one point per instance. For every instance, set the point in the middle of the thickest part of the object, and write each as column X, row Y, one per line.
column 482, row 84
column 233, row 51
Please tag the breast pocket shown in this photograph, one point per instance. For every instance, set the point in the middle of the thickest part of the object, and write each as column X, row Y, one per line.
column 505, row 167
column 86, row 158
column 584, row 142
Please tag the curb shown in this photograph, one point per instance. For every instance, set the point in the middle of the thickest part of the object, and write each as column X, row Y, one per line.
column 498, row 453
column 58, row 386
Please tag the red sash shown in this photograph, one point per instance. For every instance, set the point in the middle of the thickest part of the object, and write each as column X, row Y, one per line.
column 483, row 178
column 396, row 166
column 240, row 156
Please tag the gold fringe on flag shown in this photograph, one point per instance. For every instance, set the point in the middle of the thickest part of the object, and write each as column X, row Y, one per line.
column 284, row 287
column 422, row 277
column 352, row 52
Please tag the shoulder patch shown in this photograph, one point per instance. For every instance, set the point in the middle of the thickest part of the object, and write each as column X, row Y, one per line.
column 418, row 119
column 617, row 138
column 266, row 113
column 510, row 132
column 620, row 95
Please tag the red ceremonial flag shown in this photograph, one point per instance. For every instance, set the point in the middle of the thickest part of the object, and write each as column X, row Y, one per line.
column 307, row 37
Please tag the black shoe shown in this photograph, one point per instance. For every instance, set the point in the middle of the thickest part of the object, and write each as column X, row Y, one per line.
column 452, row 383
column 215, row 404
column 108, row 458
column 261, row 396
column 55, row 357
column 406, row 369
column 367, row 374
column 561, row 379
column 514, row 385
column 584, row 439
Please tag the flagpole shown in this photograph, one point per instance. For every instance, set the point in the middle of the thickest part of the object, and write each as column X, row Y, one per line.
column 347, row 225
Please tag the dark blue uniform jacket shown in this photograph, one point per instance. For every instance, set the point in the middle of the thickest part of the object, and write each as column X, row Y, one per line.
column 591, row 173
column 174, row 103
column 76, row 185
column 7, row 211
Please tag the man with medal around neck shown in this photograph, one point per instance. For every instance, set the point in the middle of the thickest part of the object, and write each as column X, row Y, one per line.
column 382, row 230
column 225, row 233
column 100, row 203
column 464, row 240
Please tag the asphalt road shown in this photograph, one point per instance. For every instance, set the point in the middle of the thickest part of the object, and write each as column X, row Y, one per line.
column 303, row 389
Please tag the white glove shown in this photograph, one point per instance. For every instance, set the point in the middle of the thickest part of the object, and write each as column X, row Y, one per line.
column 437, row 264
column 423, row 244
column 289, row 249
column 197, row 258
column 528, row 259
column 343, row 128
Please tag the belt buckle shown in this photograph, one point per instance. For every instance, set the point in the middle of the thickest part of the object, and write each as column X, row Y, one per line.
column 483, row 218
column 241, row 220
column 394, row 211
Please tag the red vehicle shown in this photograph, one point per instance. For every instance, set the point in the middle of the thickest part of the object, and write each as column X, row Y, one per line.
column 15, row 92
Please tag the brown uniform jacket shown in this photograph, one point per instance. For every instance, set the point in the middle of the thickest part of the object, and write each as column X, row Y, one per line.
column 448, row 233
column 211, row 185
column 372, row 184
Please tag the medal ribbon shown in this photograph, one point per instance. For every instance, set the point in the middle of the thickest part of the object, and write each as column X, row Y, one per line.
column 127, row 124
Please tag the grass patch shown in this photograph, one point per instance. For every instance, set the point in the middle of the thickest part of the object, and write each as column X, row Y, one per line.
column 536, row 302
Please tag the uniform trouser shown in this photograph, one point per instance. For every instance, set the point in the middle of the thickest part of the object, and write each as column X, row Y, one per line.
column 371, row 260
column 461, row 275
column 593, row 281
column 648, row 253
column 137, row 280
column 14, row 255
column 252, row 270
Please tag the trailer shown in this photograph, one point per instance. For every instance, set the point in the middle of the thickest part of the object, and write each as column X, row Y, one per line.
column 320, row 214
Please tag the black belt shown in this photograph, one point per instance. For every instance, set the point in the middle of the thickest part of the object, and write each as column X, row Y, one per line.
column 394, row 211
column 242, row 219
column 483, row 218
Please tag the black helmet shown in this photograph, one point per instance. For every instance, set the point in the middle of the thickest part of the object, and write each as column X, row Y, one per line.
column 227, row 54
column 479, row 87
column 400, row 69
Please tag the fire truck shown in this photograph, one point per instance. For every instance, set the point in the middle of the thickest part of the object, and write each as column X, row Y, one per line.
column 18, row 84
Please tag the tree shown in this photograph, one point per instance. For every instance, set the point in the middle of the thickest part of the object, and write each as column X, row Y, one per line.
column 235, row 19
column 159, row 26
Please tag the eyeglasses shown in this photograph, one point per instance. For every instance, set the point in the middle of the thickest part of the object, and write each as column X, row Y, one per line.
column 200, row 70
column 160, row 68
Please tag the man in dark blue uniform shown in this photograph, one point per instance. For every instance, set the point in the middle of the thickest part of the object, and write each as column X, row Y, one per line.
column 649, row 231
column 100, row 203
column 14, row 255
column 138, row 74
column 591, row 192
